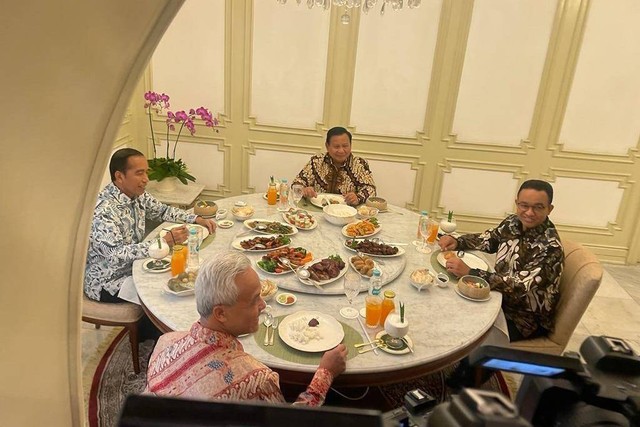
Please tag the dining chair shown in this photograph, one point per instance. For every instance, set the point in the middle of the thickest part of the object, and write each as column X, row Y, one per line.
column 579, row 282
column 125, row 314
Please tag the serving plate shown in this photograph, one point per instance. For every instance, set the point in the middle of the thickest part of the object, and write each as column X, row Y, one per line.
column 343, row 271
column 376, row 230
column 375, row 265
column 313, row 220
column 205, row 231
column 247, row 223
column 236, row 243
column 473, row 261
column 321, row 197
column 469, row 298
column 400, row 252
column 329, row 329
column 286, row 270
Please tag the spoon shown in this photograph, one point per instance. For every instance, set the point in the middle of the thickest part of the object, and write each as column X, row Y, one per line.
column 287, row 264
column 305, row 275
column 258, row 246
column 460, row 254
column 378, row 345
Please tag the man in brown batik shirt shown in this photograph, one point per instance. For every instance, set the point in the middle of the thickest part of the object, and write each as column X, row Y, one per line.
column 529, row 261
column 338, row 171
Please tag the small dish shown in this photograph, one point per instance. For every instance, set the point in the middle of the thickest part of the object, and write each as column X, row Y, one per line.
column 286, row 298
column 225, row 223
column 240, row 203
column 421, row 279
column 442, row 280
column 221, row 214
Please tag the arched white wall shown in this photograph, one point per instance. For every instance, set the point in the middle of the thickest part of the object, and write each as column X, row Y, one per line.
column 68, row 71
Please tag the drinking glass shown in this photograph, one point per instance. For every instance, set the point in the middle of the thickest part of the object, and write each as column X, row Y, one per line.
column 423, row 228
column 433, row 232
column 296, row 193
column 351, row 289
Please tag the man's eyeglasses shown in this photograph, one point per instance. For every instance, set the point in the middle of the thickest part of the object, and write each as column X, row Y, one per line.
column 539, row 208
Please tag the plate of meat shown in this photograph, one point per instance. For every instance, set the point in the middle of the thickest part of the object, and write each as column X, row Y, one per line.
column 261, row 243
column 324, row 271
column 374, row 249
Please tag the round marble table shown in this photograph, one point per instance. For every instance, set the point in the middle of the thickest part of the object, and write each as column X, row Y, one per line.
column 443, row 326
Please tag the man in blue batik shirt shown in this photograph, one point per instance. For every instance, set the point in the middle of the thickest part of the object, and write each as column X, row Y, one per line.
column 118, row 227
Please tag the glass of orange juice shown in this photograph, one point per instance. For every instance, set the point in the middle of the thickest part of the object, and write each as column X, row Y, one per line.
column 433, row 232
column 373, row 308
column 178, row 260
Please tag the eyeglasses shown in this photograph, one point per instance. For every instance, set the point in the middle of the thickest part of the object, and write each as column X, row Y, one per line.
column 539, row 208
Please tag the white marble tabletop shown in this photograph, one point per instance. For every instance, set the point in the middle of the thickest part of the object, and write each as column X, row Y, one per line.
column 182, row 195
column 442, row 323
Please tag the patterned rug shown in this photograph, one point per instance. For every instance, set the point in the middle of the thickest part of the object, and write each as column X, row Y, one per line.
column 114, row 379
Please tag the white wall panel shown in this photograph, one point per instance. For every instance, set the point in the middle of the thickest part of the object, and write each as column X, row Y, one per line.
column 289, row 64
column 602, row 112
column 585, row 201
column 188, row 64
column 502, row 69
column 280, row 164
column 395, row 182
column 204, row 161
column 393, row 69
column 471, row 191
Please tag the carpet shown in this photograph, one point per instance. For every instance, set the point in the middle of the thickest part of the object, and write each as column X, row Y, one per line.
column 114, row 379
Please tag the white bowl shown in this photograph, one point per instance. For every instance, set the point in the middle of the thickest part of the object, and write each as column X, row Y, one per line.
column 242, row 213
column 268, row 289
column 366, row 212
column 340, row 214
column 421, row 279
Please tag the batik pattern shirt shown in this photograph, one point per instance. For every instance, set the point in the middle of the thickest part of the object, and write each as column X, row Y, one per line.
column 117, row 234
column 527, row 271
column 325, row 177
column 212, row 365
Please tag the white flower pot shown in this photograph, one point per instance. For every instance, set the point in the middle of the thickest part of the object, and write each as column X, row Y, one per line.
column 168, row 184
column 448, row 227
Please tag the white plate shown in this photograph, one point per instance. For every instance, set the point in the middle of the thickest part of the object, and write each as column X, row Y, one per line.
column 469, row 298
column 286, row 271
column 399, row 253
column 184, row 293
column 236, row 243
column 375, row 265
column 344, row 231
column 322, row 282
column 205, row 232
column 330, row 330
column 284, row 296
column 317, row 201
column 473, row 261
column 314, row 222
column 146, row 267
column 225, row 223
column 246, row 223
column 405, row 350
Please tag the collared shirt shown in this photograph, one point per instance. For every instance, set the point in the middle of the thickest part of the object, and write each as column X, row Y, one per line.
column 117, row 234
column 527, row 271
column 207, row 364
column 326, row 177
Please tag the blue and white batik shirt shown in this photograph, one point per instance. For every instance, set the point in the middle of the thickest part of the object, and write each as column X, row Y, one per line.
column 117, row 234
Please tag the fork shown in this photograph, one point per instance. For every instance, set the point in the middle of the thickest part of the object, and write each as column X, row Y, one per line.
column 274, row 327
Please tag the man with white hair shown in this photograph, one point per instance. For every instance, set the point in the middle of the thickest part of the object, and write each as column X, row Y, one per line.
column 208, row 362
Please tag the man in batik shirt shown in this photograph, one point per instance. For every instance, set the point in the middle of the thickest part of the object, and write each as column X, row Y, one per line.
column 529, row 261
column 338, row 171
column 208, row 362
column 118, row 227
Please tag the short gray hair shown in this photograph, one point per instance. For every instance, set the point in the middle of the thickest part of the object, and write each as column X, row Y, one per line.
column 215, row 284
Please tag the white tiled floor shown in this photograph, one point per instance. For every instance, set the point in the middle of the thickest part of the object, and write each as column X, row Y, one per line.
column 614, row 311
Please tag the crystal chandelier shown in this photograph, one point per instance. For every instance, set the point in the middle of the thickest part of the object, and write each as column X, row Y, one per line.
column 365, row 5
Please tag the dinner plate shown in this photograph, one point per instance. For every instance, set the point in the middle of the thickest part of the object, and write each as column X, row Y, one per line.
column 236, row 243
column 399, row 253
column 149, row 266
column 404, row 350
column 314, row 222
column 329, row 329
column 246, row 223
column 286, row 270
column 473, row 261
column 205, row 231
column 360, row 236
column 469, row 298
column 317, row 201
column 322, row 282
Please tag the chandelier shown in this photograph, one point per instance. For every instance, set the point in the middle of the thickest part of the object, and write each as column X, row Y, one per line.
column 365, row 5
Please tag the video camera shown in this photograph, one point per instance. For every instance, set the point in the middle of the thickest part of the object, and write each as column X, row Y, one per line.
column 556, row 391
